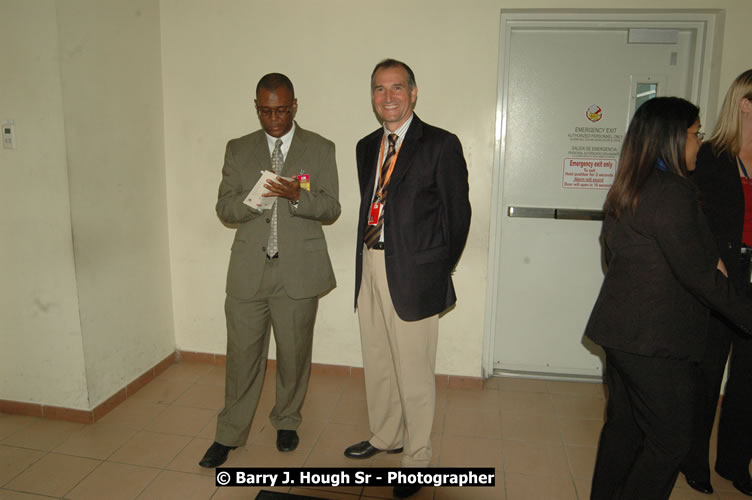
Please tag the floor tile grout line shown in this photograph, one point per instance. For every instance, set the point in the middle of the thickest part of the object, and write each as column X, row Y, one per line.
column 192, row 437
column 441, row 432
column 27, row 493
column 65, row 495
column 44, row 454
column 143, row 429
column 146, row 486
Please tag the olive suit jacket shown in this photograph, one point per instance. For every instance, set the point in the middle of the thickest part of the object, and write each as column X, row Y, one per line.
column 306, row 270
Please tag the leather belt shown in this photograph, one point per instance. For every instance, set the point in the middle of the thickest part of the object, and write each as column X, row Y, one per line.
column 272, row 257
column 378, row 246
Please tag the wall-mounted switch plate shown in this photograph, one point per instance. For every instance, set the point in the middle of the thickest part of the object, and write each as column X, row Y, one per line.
column 9, row 134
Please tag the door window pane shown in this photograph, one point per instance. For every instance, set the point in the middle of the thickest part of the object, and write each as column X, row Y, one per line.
column 645, row 92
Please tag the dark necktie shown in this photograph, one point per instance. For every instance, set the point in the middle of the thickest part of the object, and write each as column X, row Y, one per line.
column 373, row 233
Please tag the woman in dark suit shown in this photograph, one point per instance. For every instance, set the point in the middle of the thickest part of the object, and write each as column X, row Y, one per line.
column 664, row 273
column 724, row 167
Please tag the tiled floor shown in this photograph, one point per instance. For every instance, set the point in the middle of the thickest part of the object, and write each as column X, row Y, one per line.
column 540, row 436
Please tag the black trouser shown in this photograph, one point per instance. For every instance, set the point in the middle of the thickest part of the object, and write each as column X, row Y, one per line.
column 735, row 424
column 710, row 375
column 648, row 426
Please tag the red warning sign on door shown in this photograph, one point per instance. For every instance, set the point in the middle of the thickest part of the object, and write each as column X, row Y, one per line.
column 588, row 173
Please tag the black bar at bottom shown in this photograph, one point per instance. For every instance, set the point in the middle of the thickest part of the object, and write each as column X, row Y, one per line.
column 376, row 476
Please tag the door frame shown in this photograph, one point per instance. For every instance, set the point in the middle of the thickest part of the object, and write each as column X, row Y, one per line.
column 708, row 24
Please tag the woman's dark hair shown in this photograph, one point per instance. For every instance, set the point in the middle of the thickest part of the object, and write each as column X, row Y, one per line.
column 658, row 131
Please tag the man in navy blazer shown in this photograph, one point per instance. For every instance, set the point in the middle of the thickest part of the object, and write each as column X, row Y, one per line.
column 412, row 227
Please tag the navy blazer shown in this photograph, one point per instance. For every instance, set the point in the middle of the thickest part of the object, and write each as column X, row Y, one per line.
column 662, row 278
column 426, row 217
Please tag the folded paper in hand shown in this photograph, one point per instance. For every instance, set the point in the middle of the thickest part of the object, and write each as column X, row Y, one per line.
column 254, row 198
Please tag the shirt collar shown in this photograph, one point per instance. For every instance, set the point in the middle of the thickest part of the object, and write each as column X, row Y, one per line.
column 402, row 130
column 286, row 139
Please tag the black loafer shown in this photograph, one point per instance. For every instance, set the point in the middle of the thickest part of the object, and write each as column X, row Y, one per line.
column 365, row 449
column 216, row 455
column 701, row 486
column 744, row 485
column 406, row 490
column 287, row 440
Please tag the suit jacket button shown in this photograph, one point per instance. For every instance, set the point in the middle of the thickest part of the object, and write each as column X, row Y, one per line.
column 269, row 220
column 263, row 249
column 729, row 244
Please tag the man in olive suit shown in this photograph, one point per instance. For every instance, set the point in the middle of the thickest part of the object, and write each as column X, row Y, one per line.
column 279, row 264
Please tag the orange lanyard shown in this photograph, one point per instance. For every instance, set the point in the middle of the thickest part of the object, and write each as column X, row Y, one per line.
column 385, row 180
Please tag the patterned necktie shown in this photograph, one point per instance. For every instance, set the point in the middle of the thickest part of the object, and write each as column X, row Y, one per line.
column 272, row 246
column 373, row 233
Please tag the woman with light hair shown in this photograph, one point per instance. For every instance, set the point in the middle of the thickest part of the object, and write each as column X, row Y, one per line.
column 724, row 168
column 664, row 275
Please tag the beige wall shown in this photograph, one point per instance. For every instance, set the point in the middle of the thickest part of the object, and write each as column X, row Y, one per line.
column 41, row 346
column 112, row 101
column 214, row 53
column 111, row 251
column 86, row 303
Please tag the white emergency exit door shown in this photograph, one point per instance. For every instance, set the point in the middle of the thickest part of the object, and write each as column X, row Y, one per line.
column 568, row 84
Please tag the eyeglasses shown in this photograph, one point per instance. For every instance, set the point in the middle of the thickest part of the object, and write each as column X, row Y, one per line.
column 700, row 135
column 267, row 112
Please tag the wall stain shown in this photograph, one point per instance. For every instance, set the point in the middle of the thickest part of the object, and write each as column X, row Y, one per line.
column 43, row 306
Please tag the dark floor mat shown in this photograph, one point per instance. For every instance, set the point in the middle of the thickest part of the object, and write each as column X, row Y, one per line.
column 275, row 495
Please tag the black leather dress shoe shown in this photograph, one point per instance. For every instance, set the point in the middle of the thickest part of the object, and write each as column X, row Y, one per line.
column 215, row 455
column 365, row 449
column 406, row 490
column 287, row 440
column 701, row 486
column 744, row 485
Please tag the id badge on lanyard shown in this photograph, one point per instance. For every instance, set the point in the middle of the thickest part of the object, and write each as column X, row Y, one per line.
column 375, row 213
column 377, row 206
